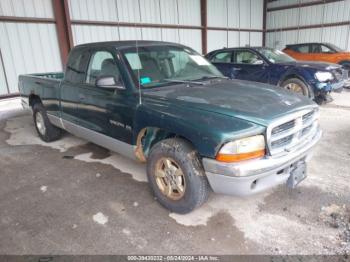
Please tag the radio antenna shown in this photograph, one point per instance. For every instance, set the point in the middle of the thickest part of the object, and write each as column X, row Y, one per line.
column 137, row 52
column 138, row 75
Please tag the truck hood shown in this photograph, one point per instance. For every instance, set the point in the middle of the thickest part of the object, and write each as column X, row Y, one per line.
column 250, row 101
column 312, row 65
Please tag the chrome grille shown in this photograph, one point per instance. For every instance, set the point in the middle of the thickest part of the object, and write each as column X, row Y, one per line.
column 283, row 127
column 292, row 132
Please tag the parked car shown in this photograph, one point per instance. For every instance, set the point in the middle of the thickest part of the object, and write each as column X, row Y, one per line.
column 267, row 65
column 166, row 105
column 325, row 52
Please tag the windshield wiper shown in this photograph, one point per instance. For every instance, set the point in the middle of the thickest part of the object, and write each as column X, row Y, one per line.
column 212, row 77
column 183, row 81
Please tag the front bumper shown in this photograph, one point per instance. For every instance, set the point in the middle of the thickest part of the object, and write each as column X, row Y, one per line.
column 329, row 87
column 253, row 176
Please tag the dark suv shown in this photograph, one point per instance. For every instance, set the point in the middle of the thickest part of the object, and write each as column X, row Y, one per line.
column 267, row 65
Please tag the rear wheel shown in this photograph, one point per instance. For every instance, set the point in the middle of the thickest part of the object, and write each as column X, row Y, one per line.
column 297, row 86
column 46, row 131
column 176, row 176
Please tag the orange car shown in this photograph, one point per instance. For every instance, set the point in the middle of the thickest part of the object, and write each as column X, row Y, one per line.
column 319, row 52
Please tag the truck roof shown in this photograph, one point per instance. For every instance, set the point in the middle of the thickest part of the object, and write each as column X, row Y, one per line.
column 127, row 43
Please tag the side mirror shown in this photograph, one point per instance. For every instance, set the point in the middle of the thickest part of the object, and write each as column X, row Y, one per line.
column 109, row 82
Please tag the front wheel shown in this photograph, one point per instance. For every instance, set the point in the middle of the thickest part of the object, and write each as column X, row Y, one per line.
column 176, row 176
column 297, row 86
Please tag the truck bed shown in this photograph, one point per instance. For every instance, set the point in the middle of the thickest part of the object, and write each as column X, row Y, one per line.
column 43, row 85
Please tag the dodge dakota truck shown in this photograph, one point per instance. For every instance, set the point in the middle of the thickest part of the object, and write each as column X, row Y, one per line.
column 164, row 104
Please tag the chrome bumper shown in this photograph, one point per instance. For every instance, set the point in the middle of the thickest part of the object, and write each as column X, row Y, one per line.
column 253, row 176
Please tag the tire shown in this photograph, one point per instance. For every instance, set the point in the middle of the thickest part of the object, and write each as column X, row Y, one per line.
column 46, row 131
column 302, row 88
column 183, row 159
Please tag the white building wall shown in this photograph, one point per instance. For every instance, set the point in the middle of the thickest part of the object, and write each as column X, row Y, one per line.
column 173, row 12
column 26, row 8
column 335, row 12
column 27, row 47
column 3, row 82
column 238, row 14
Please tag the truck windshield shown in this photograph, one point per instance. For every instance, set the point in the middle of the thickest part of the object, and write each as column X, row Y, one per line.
column 275, row 56
column 156, row 66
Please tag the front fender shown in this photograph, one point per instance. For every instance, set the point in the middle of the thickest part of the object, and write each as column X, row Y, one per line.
column 307, row 76
column 207, row 131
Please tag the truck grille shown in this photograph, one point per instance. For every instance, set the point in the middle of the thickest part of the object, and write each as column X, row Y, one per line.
column 292, row 132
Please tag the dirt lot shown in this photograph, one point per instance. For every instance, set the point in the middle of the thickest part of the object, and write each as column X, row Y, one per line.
column 72, row 197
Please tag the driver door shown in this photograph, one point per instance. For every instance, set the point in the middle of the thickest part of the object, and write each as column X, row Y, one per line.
column 106, row 110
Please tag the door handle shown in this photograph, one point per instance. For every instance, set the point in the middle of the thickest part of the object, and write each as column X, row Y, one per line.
column 237, row 69
column 82, row 97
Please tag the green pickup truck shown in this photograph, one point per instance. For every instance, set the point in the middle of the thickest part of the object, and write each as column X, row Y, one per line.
column 164, row 104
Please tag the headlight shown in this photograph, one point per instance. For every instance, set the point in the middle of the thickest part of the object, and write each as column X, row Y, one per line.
column 242, row 149
column 323, row 76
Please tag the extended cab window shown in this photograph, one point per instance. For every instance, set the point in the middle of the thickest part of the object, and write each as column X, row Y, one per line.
column 101, row 63
column 76, row 66
column 246, row 57
column 222, row 57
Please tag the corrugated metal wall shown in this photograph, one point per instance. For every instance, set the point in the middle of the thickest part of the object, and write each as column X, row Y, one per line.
column 335, row 12
column 27, row 47
column 240, row 14
column 3, row 81
column 173, row 12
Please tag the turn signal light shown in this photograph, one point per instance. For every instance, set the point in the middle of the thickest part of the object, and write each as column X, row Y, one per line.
column 240, row 157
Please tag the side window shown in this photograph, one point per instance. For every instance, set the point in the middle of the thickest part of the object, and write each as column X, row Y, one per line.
column 326, row 49
column 315, row 48
column 222, row 57
column 302, row 49
column 76, row 66
column 246, row 57
column 101, row 63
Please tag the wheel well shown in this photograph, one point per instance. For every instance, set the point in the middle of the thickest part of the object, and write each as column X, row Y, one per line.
column 33, row 99
column 290, row 77
column 148, row 137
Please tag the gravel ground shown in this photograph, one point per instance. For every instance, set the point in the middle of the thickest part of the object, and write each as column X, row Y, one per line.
column 73, row 197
